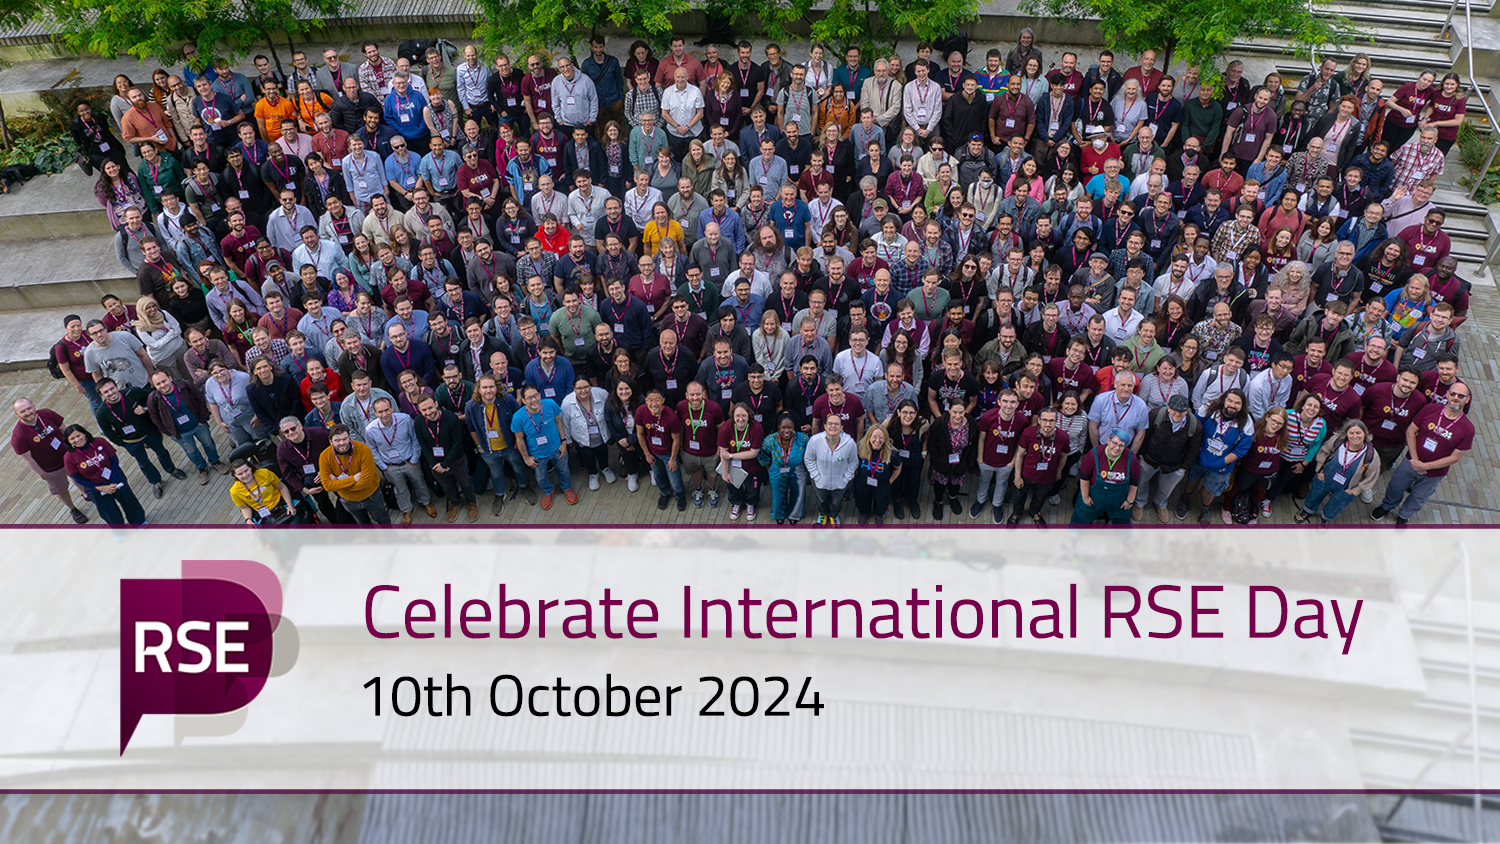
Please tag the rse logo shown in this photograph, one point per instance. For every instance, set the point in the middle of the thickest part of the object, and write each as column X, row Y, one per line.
column 202, row 644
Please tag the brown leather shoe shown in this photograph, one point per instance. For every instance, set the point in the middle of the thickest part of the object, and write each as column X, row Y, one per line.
column 570, row 496
column 452, row 513
column 547, row 501
column 473, row 513
column 431, row 511
column 406, row 518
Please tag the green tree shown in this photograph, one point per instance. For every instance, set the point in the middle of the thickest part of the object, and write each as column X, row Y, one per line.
column 156, row 29
column 1199, row 32
column 546, row 24
column 869, row 23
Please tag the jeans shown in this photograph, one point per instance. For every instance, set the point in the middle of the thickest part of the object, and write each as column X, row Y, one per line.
column 558, row 462
column 122, row 507
column 407, row 479
column 457, row 485
column 830, row 502
column 1166, row 484
column 1337, row 499
column 498, row 461
column 370, row 511
column 190, row 441
column 1416, row 487
column 153, row 442
column 241, row 432
column 668, row 481
column 996, row 477
column 91, row 392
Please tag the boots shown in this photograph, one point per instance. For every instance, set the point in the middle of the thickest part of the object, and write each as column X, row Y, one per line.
column 937, row 508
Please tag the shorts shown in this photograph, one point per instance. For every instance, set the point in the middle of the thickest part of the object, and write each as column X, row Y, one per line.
column 57, row 481
column 692, row 464
column 1216, row 482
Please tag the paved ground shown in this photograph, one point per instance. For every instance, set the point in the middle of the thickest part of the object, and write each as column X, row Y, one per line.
column 1471, row 494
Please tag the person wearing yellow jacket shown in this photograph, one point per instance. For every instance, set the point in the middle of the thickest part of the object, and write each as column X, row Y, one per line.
column 348, row 470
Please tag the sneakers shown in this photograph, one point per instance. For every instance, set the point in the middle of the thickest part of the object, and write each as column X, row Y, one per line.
column 661, row 502
column 1265, row 509
column 1181, row 509
column 528, row 493
column 822, row 519
column 1368, row 496
column 631, row 483
column 999, row 513
column 570, row 496
column 1379, row 513
column 222, row 467
column 546, row 501
column 834, row 520
column 609, row 475
column 203, row 475
column 179, row 474
column 496, row 507
column 78, row 516
column 749, row 512
column 1015, row 518
column 697, row 498
column 975, row 509
column 713, row 498
column 156, row 490
column 1054, row 500
column 734, row 513
column 1227, row 516
column 1038, row 520
column 593, row 482
column 1204, row 516
column 1163, row 515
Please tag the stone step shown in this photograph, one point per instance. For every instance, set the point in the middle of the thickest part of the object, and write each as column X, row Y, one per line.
column 1440, row 7
column 69, row 272
column 1292, row 73
column 29, row 335
column 51, row 206
column 1406, row 53
column 1390, row 15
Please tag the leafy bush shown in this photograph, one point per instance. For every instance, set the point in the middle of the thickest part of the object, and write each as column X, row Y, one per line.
column 39, row 144
column 1473, row 147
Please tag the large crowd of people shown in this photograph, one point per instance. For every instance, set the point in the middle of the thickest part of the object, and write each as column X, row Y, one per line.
column 990, row 277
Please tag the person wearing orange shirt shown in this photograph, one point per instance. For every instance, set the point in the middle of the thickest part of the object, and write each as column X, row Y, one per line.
column 347, row 469
column 145, row 121
column 271, row 110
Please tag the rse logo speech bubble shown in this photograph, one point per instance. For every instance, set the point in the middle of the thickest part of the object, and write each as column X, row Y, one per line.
column 201, row 645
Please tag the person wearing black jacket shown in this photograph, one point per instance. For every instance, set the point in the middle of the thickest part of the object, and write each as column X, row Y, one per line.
column 670, row 367
column 1173, row 439
column 952, row 454
column 442, row 437
column 504, row 89
column 297, row 456
column 349, row 104
column 965, row 114
column 475, row 349
column 96, row 142
column 123, row 421
column 273, row 394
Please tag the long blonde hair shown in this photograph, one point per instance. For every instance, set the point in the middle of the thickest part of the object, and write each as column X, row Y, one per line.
column 866, row 451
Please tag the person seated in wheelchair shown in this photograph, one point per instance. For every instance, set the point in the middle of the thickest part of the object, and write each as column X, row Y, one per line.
column 263, row 497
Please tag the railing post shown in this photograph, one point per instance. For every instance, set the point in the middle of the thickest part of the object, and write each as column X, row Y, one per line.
column 1483, row 171
column 1448, row 24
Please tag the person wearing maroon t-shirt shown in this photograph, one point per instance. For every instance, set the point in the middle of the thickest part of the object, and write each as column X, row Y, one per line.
column 38, row 439
column 841, row 403
column 1311, row 364
column 1038, row 465
column 1439, row 437
column 1371, row 368
column 740, row 439
column 1388, row 408
column 999, row 430
column 660, row 434
column 1437, row 381
column 1336, row 391
column 700, row 419
column 1072, row 373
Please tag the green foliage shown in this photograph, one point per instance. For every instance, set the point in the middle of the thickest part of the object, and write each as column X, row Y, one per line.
column 156, row 29
column 41, row 143
column 1473, row 148
column 872, row 23
column 546, row 24
column 1199, row 32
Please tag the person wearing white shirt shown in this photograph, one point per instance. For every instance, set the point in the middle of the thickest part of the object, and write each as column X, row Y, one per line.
column 364, row 173
column 1271, row 387
column 682, row 110
column 283, row 225
column 323, row 254
column 547, row 201
column 760, row 282
column 641, row 200
column 585, row 207
column 922, row 104
column 831, row 459
column 1174, row 282
column 1218, row 380
column 859, row 367
column 821, row 209
column 1120, row 323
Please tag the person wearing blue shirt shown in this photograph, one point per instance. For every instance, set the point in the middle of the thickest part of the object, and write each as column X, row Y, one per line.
column 392, row 438
column 629, row 318
column 439, row 169
column 550, row 372
column 1209, row 219
column 207, row 97
column 403, row 108
column 404, row 352
column 1271, row 174
column 609, row 82
column 747, row 306
column 542, row 444
column 1379, row 171
column 791, row 217
column 234, row 86
column 402, row 169
column 408, row 317
column 1228, row 433
column 523, row 172
column 726, row 218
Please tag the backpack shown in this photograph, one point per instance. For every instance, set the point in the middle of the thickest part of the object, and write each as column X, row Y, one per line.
column 1243, row 511
column 1163, row 420
column 52, row 365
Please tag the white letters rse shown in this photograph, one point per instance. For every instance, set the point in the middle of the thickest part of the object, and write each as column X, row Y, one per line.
column 222, row 646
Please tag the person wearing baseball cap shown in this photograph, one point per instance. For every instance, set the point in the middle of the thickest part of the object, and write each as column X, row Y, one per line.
column 1172, row 441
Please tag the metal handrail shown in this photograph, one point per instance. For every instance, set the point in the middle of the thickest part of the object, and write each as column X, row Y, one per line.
column 1489, row 113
